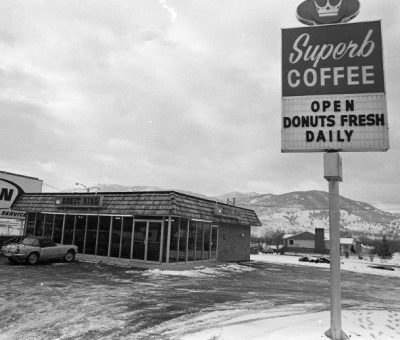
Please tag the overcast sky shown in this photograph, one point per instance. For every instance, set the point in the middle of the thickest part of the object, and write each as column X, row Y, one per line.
column 182, row 94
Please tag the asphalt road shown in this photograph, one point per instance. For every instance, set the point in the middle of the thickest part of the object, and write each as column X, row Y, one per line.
column 83, row 300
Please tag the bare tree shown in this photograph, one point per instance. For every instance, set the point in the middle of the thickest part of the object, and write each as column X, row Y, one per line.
column 275, row 238
column 256, row 239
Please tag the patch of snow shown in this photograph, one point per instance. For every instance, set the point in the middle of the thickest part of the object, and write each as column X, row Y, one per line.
column 221, row 270
column 350, row 264
column 304, row 326
column 298, row 321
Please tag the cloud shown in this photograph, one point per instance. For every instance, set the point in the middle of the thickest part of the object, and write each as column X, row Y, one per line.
column 132, row 94
column 170, row 10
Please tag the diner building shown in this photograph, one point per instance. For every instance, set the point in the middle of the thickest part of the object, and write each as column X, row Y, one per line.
column 162, row 227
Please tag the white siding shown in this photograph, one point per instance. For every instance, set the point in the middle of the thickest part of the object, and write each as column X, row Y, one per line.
column 302, row 244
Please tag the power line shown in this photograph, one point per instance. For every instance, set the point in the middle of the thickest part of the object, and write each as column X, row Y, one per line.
column 51, row 186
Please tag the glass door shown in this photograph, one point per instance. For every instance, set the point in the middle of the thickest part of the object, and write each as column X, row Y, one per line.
column 153, row 241
column 139, row 240
column 147, row 240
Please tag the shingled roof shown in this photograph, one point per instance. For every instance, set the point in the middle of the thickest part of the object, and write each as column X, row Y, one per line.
column 143, row 203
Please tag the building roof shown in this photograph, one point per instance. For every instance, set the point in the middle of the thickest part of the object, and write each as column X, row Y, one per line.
column 143, row 203
column 303, row 236
column 18, row 175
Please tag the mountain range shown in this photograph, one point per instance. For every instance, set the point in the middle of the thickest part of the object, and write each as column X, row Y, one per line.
column 298, row 211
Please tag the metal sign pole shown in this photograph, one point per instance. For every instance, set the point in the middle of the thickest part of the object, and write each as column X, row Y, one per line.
column 333, row 174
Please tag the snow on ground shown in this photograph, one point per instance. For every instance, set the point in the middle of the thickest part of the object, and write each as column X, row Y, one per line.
column 285, row 323
column 300, row 322
column 221, row 270
column 223, row 302
column 352, row 263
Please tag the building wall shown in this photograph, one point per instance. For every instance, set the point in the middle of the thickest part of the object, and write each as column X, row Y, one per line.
column 343, row 247
column 304, row 251
column 307, row 244
column 233, row 242
column 319, row 240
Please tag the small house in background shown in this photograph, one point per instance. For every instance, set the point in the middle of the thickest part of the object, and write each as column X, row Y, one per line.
column 141, row 228
column 364, row 250
column 317, row 242
column 303, row 242
column 347, row 245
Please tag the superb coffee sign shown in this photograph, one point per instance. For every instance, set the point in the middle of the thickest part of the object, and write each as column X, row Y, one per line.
column 333, row 93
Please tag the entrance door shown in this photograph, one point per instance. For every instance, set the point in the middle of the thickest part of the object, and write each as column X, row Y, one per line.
column 147, row 240
column 153, row 241
column 139, row 240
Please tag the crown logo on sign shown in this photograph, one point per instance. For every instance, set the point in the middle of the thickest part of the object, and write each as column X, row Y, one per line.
column 328, row 10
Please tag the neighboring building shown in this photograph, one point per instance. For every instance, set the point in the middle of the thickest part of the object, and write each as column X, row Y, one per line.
column 12, row 186
column 314, row 242
column 303, row 242
column 364, row 250
column 346, row 244
column 146, row 227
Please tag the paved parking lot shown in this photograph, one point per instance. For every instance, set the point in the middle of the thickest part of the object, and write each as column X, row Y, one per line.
column 84, row 300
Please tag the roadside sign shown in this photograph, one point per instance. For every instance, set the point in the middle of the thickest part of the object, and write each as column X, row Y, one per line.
column 333, row 90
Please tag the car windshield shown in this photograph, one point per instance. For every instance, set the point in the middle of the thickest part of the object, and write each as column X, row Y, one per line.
column 30, row 241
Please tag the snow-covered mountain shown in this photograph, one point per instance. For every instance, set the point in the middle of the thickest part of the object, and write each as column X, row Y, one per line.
column 306, row 210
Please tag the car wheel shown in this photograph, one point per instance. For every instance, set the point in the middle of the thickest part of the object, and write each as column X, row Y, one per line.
column 33, row 258
column 69, row 256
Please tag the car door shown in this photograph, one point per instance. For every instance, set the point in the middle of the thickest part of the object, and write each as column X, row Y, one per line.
column 48, row 249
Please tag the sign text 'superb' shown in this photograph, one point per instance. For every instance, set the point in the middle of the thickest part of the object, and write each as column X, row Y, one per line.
column 333, row 94
column 332, row 59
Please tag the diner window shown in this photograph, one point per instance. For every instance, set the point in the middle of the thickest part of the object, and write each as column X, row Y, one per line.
column 173, row 246
column 39, row 224
column 192, row 241
column 182, row 239
column 291, row 242
column 69, row 229
column 80, row 226
column 165, row 243
column 153, row 241
column 214, row 240
column 91, row 234
column 116, row 236
column 30, row 224
column 139, row 239
column 126, row 238
column 206, row 244
column 57, row 229
column 48, row 225
column 199, row 240
column 103, row 236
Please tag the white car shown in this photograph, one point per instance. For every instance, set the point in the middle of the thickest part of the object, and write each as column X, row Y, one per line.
column 34, row 249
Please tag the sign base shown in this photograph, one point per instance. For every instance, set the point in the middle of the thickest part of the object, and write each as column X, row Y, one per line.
column 343, row 335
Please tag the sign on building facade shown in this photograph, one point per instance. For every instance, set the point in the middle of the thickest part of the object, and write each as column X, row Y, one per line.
column 80, row 201
column 333, row 91
column 12, row 186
